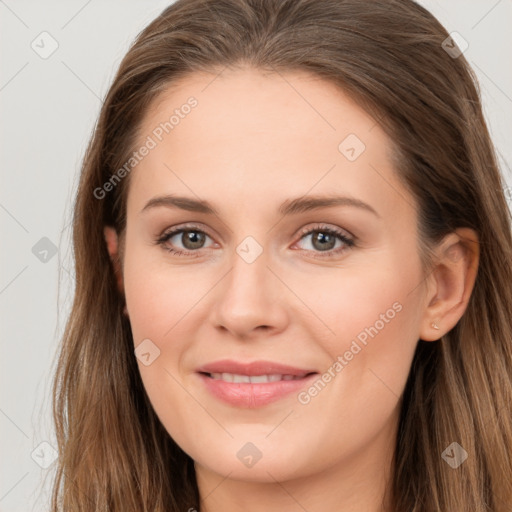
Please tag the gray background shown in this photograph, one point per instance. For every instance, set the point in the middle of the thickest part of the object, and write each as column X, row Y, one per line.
column 48, row 109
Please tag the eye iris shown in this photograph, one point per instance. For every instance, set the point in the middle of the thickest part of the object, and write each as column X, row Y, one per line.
column 192, row 239
column 322, row 237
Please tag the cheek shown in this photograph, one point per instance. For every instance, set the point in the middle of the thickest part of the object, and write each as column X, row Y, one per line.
column 350, row 301
column 369, row 346
column 368, row 318
column 157, row 296
column 159, row 301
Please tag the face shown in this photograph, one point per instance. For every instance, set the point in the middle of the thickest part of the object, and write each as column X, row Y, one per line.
column 252, row 264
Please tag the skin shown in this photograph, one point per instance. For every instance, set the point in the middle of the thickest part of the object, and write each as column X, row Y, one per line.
column 253, row 142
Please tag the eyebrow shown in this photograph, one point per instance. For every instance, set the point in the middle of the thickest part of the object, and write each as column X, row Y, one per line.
column 288, row 207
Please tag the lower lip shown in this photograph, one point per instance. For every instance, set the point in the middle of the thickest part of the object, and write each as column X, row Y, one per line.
column 251, row 396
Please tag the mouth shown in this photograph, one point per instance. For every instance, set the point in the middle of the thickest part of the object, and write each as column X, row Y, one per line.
column 252, row 385
column 229, row 367
column 254, row 379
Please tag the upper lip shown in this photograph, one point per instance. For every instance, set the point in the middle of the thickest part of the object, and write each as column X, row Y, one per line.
column 253, row 368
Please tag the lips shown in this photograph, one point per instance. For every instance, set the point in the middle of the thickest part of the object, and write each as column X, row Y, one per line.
column 255, row 384
column 253, row 368
column 253, row 379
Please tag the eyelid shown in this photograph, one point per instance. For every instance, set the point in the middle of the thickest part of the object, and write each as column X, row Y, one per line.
column 191, row 226
column 303, row 231
column 345, row 236
column 347, row 239
column 322, row 226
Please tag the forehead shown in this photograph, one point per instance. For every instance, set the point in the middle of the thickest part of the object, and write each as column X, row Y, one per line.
column 249, row 101
column 252, row 134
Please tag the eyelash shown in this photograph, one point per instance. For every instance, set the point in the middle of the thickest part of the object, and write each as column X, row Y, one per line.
column 348, row 242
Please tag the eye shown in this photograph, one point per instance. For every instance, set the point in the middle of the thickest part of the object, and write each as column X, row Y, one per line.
column 191, row 237
column 324, row 239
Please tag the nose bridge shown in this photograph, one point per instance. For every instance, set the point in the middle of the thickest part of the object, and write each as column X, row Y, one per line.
column 246, row 299
column 248, row 281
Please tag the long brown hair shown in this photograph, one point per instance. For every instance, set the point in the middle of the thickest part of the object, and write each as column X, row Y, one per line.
column 389, row 56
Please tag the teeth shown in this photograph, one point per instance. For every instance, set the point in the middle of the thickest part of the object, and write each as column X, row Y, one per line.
column 253, row 379
column 239, row 378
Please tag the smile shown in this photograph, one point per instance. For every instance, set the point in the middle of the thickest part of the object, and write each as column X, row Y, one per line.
column 251, row 379
column 253, row 391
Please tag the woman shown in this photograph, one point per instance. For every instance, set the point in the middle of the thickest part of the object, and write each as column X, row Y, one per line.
column 293, row 263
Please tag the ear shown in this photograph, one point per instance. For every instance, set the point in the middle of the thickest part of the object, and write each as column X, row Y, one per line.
column 450, row 283
column 113, row 251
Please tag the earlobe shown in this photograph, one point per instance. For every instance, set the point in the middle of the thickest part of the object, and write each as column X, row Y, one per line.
column 112, row 242
column 453, row 280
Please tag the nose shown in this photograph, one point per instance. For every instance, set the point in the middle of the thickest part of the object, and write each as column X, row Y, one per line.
column 246, row 302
